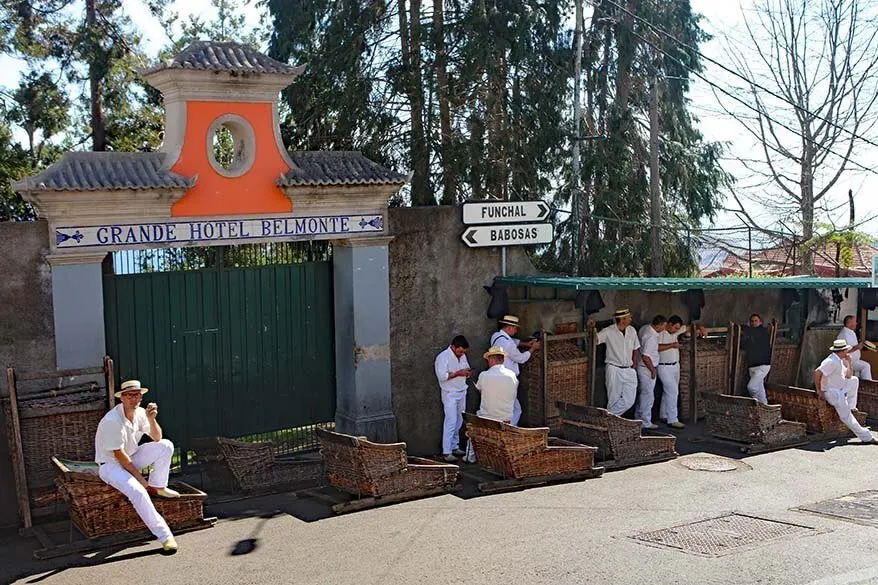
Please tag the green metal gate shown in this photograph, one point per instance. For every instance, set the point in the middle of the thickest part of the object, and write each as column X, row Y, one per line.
column 231, row 341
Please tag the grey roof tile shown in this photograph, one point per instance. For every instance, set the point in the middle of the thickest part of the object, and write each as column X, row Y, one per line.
column 337, row 168
column 100, row 171
column 224, row 56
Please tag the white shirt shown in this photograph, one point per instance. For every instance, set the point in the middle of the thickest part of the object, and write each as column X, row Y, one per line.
column 447, row 363
column 850, row 337
column 670, row 356
column 115, row 431
column 649, row 342
column 510, row 346
column 834, row 372
column 499, row 387
column 620, row 345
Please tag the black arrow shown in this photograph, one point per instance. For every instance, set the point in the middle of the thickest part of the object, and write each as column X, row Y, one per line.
column 544, row 210
column 470, row 236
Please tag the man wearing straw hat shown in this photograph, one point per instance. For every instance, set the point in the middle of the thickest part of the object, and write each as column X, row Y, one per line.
column 498, row 386
column 452, row 370
column 862, row 369
column 836, row 384
column 505, row 340
column 121, row 458
column 621, row 340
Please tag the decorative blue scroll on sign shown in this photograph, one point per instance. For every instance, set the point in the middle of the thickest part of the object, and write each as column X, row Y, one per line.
column 204, row 231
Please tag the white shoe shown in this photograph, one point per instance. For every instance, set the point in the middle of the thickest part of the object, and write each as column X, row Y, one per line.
column 169, row 546
column 167, row 493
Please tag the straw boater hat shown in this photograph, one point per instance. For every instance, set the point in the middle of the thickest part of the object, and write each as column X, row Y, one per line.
column 869, row 345
column 510, row 320
column 621, row 313
column 839, row 345
column 494, row 351
column 129, row 385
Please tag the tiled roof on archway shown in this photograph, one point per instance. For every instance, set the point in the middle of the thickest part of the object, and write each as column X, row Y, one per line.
column 224, row 56
column 106, row 171
column 343, row 167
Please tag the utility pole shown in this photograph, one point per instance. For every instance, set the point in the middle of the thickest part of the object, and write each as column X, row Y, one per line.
column 578, row 207
column 656, row 267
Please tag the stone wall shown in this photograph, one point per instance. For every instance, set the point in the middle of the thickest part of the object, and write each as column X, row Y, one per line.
column 436, row 293
column 26, row 325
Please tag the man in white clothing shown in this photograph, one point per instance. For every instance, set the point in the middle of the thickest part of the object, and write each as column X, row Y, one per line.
column 505, row 340
column 669, row 369
column 121, row 458
column 862, row 369
column 452, row 371
column 647, row 369
column 498, row 386
column 622, row 341
column 836, row 384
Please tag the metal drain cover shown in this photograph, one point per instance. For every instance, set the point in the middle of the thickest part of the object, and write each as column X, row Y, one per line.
column 860, row 507
column 711, row 463
column 720, row 536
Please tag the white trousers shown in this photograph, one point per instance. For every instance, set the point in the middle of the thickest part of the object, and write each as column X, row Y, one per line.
column 157, row 454
column 621, row 389
column 756, row 384
column 454, row 403
column 516, row 412
column 844, row 400
column 670, row 377
column 862, row 370
column 645, row 396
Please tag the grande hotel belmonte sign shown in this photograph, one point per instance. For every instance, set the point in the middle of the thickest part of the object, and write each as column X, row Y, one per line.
column 197, row 231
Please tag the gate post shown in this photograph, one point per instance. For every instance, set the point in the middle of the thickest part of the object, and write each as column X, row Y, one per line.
column 78, row 305
column 361, row 281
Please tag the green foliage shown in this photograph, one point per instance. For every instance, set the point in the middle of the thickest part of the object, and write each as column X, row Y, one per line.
column 622, row 56
column 14, row 164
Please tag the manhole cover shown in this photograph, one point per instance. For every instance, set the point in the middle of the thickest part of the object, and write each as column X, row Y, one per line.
column 721, row 536
column 711, row 463
column 861, row 507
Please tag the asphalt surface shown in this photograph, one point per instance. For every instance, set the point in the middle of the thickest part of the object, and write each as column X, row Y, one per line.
column 570, row 533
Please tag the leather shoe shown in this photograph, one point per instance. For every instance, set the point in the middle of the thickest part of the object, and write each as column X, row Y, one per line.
column 167, row 493
column 677, row 425
column 449, row 458
column 651, row 427
column 458, row 453
column 169, row 546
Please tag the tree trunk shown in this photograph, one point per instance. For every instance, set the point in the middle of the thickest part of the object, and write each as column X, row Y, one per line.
column 420, row 158
column 98, row 132
column 657, row 267
column 578, row 214
column 448, row 178
column 807, row 189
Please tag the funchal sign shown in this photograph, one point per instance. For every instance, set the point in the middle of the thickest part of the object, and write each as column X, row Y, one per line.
column 502, row 223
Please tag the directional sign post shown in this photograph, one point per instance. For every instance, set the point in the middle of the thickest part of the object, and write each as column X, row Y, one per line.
column 493, row 212
column 519, row 234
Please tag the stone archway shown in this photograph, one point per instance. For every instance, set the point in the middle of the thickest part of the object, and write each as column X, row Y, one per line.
column 99, row 202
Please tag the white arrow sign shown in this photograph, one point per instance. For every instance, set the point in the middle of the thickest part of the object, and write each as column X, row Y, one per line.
column 489, row 212
column 520, row 234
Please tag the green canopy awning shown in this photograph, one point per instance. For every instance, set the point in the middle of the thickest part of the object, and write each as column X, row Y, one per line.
column 680, row 284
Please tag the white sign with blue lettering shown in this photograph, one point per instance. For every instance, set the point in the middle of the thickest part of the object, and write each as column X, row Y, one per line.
column 184, row 232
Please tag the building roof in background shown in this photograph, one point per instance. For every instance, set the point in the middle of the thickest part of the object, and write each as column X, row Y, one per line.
column 780, row 261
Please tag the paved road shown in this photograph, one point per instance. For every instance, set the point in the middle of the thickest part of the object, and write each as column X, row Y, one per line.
column 573, row 533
